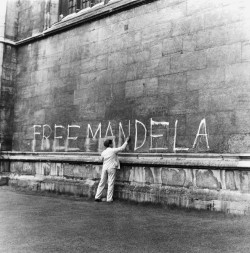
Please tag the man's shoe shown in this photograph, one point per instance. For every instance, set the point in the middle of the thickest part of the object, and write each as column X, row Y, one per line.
column 98, row 200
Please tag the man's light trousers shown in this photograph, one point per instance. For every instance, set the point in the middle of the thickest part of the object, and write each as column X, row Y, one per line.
column 107, row 174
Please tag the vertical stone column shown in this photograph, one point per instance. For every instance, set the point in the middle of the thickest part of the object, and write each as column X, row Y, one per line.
column 7, row 72
column 2, row 31
column 50, row 13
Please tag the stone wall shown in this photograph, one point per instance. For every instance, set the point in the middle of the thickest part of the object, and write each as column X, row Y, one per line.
column 223, row 186
column 7, row 96
column 172, row 74
column 34, row 16
column 11, row 20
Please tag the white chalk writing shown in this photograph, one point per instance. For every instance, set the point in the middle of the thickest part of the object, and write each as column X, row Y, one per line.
column 155, row 123
column 67, row 136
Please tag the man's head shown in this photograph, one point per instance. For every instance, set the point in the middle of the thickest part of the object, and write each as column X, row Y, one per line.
column 108, row 143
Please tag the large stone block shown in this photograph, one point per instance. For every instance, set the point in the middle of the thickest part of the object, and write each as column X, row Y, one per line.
column 59, row 169
column 155, row 174
column 194, row 6
column 172, row 45
column 173, row 12
column 192, row 101
column 245, row 182
column 238, row 74
column 39, row 117
column 46, row 168
column 177, row 103
column 239, row 143
column 188, row 25
column 155, row 33
column 212, row 37
column 117, row 75
column 118, row 59
column 222, row 35
column 28, row 168
column 223, row 15
column 156, row 50
column 242, row 120
column 123, row 174
column 221, row 123
column 16, row 167
column 102, row 62
column 206, row 78
column 246, row 51
column 137, row 176
column 158, row 67
column 173, row 177
column 86, row 66
column 206, row 180
column 224, row 55
column 212, row 100
column 39, row 169
column 141, row 21
column 131, row 39
column 189, row 42
column 137, row 56
column 242, row 99
column 188, row 61
column 162, row 4
column 173, row 83
column 4, row 166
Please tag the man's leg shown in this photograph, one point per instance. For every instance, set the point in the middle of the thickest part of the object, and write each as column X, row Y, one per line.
column 111, row 184
column 102, row 184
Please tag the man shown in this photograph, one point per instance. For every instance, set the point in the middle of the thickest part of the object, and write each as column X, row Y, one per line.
column 110, row 164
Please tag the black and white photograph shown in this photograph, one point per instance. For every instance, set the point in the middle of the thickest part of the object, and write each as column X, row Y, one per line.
column 124, row 126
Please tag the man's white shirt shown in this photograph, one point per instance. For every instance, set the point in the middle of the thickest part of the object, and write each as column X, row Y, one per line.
column 110, row 158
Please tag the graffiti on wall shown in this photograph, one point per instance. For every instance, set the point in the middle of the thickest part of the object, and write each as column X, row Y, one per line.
column 51, row 138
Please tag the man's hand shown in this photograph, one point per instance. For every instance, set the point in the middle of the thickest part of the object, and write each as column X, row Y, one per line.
column 128, row 139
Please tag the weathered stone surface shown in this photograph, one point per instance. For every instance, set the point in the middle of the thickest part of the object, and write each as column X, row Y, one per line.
column 237, row 74
column 217, row 190
column 188, row 25
column 16, row 167
column 238, row 142
column 173, row 177
column 188, row 61
column 4, row 166
column 224, row 55
column 164, row 59
column 39, row 169
column 209, row 78
column 246, row 51
column 206, row 180
column 223, row 15
column 137, row 176
column 173, row 83
column 172, row 45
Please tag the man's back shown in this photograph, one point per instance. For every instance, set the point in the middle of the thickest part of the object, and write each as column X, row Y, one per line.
column 110, row 159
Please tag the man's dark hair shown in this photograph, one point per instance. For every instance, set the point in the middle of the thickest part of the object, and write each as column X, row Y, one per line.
column 107, row 143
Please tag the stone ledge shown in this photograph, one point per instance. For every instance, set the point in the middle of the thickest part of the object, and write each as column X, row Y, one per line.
column 184, row 160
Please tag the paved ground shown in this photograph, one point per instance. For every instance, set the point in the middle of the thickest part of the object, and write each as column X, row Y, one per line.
column 35, row 223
